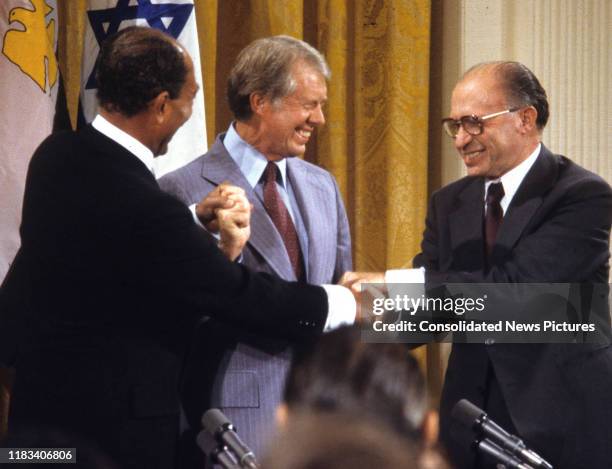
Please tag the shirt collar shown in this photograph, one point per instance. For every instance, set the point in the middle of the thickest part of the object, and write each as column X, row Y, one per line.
column 251, row 162
column 513, row 178
column 128, row 142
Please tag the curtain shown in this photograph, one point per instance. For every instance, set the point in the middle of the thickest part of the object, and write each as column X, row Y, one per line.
column 375, row 139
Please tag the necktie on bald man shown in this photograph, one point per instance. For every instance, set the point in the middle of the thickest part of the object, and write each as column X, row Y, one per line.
column 282, row 219
column 494, row 214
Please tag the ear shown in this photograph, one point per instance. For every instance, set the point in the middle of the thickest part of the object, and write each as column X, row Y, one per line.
column 258, row 102
column 430, row 428
column 159, row 106
column 528, row 118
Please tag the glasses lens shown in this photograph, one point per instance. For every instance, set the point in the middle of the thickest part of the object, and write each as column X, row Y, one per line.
column 451, row 127
column 471, row 125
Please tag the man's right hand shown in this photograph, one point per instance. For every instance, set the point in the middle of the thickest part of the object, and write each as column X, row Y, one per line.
column 354, row 280
column 215, row 200
column 365, row 286
column 227, row 211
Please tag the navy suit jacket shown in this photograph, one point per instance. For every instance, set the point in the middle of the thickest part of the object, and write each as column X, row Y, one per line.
column 556, row 229
column 248, row 378
column 110, row 281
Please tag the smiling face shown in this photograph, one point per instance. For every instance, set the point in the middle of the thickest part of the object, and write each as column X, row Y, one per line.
column 501, row 145
column 286, row 125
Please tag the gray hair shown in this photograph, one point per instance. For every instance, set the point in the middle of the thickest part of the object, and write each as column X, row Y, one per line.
column 264, row 66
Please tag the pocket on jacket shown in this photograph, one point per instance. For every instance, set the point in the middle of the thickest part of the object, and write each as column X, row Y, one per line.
column 239, row 389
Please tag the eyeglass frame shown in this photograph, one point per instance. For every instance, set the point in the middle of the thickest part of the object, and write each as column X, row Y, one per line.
column 478, row 120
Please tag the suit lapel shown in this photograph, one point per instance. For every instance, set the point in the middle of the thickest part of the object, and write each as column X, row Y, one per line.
column 265, row 239
column 305, row 191
column 219, row 167
column 319, row 218
column 527, row 200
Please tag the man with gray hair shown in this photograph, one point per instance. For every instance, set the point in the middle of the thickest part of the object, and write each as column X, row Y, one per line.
column 299, row 229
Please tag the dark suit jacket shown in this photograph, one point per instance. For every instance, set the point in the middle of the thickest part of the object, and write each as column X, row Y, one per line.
column 556, row 229
column 113, row 275
column 229, row 368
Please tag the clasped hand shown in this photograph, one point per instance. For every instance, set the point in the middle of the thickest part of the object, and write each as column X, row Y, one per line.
column 227, row 211
column 365, row 286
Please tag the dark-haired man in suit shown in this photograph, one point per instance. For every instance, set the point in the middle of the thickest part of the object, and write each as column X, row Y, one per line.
column 113, row 275
column 522, row 215
column 276, row 90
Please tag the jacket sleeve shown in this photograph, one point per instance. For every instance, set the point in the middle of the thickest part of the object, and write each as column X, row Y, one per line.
column 344, row 258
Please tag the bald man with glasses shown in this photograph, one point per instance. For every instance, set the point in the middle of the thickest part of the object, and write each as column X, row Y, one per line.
column 522, row 215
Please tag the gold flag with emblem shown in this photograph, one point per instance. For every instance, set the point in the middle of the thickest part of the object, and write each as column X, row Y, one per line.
column 28, row 90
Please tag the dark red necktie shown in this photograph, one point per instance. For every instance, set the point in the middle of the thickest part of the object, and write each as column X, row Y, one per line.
column 494, row 214
column 282, row 220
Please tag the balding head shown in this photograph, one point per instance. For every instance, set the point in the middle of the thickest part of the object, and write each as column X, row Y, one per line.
column 520, row 86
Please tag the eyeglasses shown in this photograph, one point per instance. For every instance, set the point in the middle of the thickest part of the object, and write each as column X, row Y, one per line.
column 473, row 125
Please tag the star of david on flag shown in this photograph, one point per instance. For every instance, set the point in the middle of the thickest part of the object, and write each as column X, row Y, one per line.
column 174, row 17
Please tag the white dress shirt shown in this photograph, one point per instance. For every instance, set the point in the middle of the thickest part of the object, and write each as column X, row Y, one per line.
column 513, row 179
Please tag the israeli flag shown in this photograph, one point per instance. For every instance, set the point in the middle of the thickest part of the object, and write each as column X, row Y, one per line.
column 174, row 17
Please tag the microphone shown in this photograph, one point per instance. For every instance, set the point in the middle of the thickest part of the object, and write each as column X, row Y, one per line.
column 486, row 446
column 217, row 453
column 218, row 425
column 476, row 419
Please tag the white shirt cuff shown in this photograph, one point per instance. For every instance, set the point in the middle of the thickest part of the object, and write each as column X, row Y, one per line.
column 405, row 276
column 192, row 209
column 342, row 307
column 397, row 281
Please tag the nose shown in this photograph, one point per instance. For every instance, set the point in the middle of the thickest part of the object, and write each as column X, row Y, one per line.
column 462, row 138
column 317, row 117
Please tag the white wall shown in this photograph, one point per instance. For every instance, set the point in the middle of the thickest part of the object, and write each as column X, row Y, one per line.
column 566, row 43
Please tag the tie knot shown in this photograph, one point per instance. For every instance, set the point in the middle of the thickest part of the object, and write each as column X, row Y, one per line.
column 271, row 172
column 495, row 193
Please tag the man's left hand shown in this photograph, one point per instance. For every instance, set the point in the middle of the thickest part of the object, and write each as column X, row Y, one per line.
column 234, row 222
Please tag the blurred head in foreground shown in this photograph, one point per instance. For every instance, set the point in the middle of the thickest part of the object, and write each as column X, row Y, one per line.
column 338, row 441
column 382, row 382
